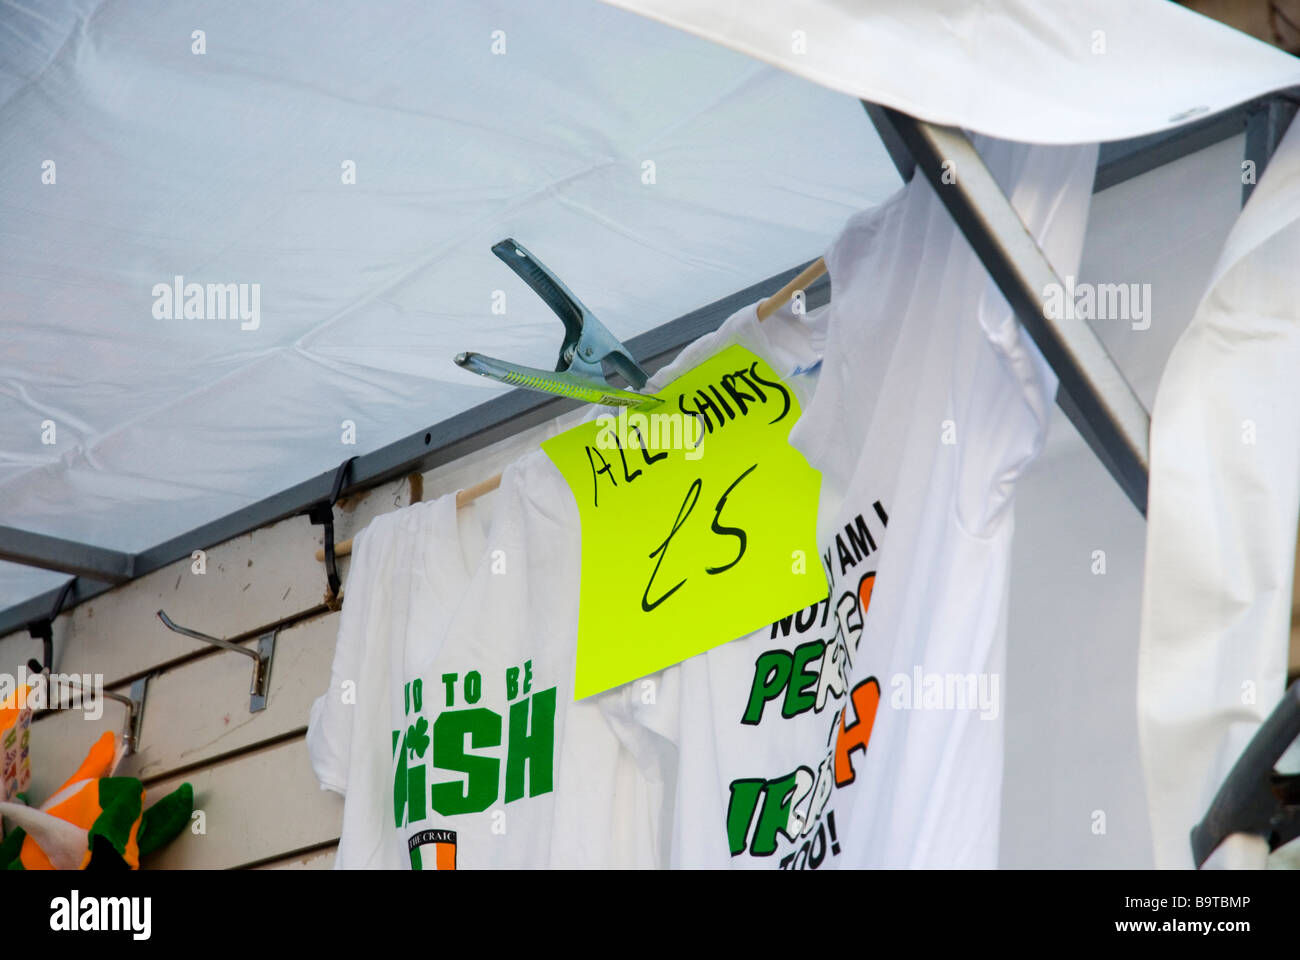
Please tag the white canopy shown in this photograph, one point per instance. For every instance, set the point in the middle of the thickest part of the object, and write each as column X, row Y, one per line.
column 228, row 166
column 1037, row 71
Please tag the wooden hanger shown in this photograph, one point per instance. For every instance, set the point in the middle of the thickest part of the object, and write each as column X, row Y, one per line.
column 463, row 499
column 801, row 282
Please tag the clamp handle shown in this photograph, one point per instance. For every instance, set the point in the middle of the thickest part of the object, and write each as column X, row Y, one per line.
column 586, row 340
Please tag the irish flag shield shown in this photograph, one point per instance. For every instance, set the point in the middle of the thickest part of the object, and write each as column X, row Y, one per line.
column 433, row 850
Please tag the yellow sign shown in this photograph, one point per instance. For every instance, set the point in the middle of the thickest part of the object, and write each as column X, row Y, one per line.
column 699, row 520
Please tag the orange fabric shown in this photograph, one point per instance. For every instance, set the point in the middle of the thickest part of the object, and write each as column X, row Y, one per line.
column 98, row 763
column 132, row 854
column 446, row 856
column 80, row 809
column 32, row 856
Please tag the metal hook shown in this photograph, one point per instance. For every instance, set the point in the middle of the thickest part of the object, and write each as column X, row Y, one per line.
column 323, row 514
column 43, row 629
column 261, row 658
column 134, row 703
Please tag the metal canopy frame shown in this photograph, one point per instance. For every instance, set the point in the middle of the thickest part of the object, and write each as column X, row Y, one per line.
column 67, row 556
column 1094, row 394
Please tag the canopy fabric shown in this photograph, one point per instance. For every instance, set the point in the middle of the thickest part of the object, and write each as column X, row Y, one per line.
column 1037, row 71
column 652, row 171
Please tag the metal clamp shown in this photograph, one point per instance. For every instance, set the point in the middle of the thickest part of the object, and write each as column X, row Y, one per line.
column 323, row 513
column 587, row 345
column 260, row 688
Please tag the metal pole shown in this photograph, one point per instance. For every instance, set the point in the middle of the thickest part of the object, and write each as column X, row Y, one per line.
column 66, row 556
column 1266, row 125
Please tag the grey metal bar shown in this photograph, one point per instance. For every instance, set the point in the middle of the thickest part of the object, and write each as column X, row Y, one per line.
column 195, row 635
column 1253, row 798
column 262, row 657
column 134, row 706
column 57, row 704
column 1118, row 160
column 894, row 146
column 1098, row 400
column 1266, row 125
column 1123, row 160
column 66, row 556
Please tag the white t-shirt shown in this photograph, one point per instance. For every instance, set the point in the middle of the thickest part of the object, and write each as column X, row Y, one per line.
column 935, row 404
column 834, row 737
column 449, row 725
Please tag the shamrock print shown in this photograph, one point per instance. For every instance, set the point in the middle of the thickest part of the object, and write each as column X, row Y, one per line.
column 417, row 738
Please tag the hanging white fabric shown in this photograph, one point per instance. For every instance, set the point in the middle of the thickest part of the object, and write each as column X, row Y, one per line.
column 937, row 403
column 1221, row 524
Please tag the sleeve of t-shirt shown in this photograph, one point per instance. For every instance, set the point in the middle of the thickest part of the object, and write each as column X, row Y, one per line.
column 330, row 726
column 1011, row 387
column 902, row 274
